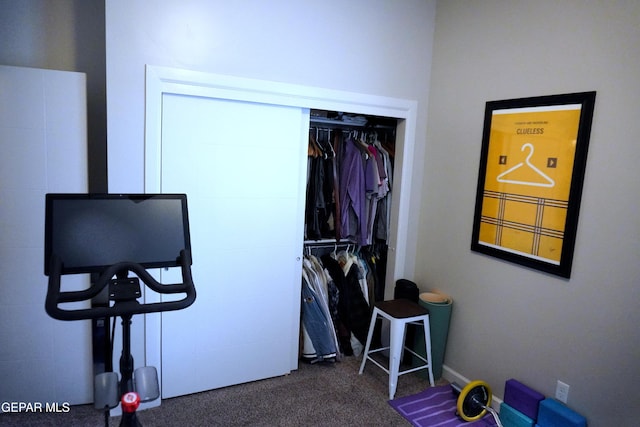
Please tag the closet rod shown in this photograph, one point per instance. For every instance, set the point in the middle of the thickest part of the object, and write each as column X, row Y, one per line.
column 335, row 247
column 327, row 243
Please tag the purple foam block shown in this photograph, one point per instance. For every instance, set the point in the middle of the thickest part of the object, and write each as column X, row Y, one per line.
column 522, row 398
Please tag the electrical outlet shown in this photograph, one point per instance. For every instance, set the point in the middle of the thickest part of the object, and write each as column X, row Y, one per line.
column 562, row 391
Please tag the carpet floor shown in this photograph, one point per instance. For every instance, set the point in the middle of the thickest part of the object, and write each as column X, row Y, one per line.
column 314, row 395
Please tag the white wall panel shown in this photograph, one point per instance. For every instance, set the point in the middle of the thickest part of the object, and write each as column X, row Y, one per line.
column 42, row 149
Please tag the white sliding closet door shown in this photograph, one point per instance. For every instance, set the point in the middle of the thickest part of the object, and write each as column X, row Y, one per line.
column 243, row 167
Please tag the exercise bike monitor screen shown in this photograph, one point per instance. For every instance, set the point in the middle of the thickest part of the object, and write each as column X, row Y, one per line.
column 90, row 232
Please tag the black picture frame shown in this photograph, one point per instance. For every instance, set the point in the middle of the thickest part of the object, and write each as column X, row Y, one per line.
column 532, row 166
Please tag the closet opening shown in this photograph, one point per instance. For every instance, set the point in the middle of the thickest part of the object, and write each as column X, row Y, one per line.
column 347, row 229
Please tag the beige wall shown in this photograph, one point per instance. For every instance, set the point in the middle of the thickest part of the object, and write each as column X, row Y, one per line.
column 510, row 321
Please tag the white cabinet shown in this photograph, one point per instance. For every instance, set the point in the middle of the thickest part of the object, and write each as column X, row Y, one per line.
column 43, row 148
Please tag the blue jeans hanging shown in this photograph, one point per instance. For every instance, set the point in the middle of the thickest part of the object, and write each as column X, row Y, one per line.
column 316, row 323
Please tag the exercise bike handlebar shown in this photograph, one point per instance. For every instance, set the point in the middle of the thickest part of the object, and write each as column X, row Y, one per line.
column 55, row 296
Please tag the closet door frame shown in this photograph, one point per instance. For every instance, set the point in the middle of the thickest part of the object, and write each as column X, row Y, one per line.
column 166, row 80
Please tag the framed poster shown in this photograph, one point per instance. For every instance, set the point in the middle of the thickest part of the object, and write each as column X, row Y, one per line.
column 532, row 165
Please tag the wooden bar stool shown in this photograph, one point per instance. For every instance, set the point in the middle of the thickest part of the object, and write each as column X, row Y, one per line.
column 399, row 312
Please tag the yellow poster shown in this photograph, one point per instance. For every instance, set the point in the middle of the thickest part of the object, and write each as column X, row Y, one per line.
column 530, row 160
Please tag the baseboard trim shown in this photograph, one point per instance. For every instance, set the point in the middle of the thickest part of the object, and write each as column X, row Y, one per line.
column 454, row 376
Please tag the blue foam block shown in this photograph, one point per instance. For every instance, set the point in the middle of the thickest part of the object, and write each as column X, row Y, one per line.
column 522, row 398
column 511, row 417
column 552, row 413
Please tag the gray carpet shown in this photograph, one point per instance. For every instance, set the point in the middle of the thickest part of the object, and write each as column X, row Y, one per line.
column 314, row 395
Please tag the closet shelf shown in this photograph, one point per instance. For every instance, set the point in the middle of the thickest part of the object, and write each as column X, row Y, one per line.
column 336, row 122
column 350, row 124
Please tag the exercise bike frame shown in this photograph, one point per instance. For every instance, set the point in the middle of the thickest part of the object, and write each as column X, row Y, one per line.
column 123, row 307
column 128, row 307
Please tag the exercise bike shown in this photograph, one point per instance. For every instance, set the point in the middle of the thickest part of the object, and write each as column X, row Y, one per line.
column 114, row 235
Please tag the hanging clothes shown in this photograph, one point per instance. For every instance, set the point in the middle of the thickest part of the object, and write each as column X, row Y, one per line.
column 348, row 199
column 348, row 186
column 336, row 143
column 383, row 214
column 320, row 201
column 353, row 209
column 375, row 257
column 320, row 341
column 354, row 311
column 315, row 211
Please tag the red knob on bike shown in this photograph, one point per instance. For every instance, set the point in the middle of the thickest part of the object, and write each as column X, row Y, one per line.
column 130, row 402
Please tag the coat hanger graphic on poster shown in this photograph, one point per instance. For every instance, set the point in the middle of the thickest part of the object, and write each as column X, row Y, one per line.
column 550, row 182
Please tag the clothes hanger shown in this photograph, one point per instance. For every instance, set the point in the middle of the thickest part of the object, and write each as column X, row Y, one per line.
column 361, row 143
column 333, row 153
column 314, row 149
column 327, row 152
column 549, row 182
